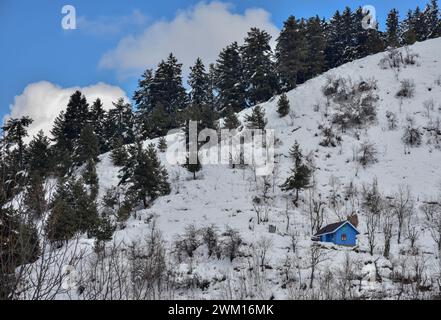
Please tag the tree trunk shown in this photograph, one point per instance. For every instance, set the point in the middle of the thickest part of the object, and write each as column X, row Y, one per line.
column 312, row 277
column 386, row 248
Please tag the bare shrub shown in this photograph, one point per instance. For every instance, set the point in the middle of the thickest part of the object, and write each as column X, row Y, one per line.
column 407, row 89
column 392, row 121
column 187, row 243
column 231, row 243
column 211, row 240
column 412, row 136
column 367, row 154
column 354, row 103
column 330, row 138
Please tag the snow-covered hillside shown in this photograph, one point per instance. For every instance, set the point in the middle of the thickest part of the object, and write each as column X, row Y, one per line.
column 223, row 196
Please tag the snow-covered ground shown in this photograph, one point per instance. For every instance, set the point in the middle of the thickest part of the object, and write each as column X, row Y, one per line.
column 222, row 196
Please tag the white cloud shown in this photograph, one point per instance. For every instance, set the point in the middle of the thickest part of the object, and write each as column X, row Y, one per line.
column 43, row 101
column 201, row 31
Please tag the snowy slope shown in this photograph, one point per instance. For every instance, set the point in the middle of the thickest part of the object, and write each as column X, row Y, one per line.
column 223, row 196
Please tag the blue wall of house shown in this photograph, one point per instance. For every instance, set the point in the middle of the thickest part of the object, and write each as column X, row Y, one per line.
column 338, row 236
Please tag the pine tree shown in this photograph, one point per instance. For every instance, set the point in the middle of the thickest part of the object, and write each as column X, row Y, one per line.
column 335, row 44
column 164, row 91
column 300, row 176
column 148, row 179
column 91, row 177
column 229, row 79
column 162, row 144
column 231, row 121
column 142, row 95
column 61, row 150
column 19, row 245
column 35, row 201
column 199, row 84
column 97, row 119
column 67, row 130
column 76, row 117
column 409, row 36
column 119, row 153
column 39, row 158
column 292, row 53
column 259, row 70
column 351, row 36
column 167, row 85
column 16, row 131
column 419, row 25
column 393, row 29
column 257, row 119
column 72, row 211
column 432, row 20
column 88, row 146
column 315, row 35
column 204, row 115
column 283, row 106
column 193, row 167
column 120, row 123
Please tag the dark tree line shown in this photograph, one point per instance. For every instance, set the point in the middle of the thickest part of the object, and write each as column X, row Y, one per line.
column 247, row 75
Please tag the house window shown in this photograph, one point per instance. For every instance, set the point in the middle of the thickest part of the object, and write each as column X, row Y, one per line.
column 344, row 237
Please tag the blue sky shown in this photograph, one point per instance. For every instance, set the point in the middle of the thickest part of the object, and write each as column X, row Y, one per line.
column 35, row 48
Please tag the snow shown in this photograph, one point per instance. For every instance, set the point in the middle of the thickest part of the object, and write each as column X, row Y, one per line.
column 222, row 196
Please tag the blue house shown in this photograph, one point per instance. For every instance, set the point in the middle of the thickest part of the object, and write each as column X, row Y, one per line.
column 340, row 233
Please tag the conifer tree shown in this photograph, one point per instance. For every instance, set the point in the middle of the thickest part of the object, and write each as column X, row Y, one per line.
column 231, row 121
column 61, row 149
column 72, row 211
column 35, row 201
column 199, row 83
column 283, row 106
column 229, row 79
column 119, row 153
column 162, row 144
column 408, row 36
column 91, row 177
column 75, row 118
column 419, row 25
column 15, row 131
column 335, row 44
column 19, row 245
column 88, row 146
column 259, row 70
column 351, row 35
column 146, row 177
column 193, row 167
column 292, row 53
column 432, row 20
column 257, row 119
column 315, row 35
column 393, row 29
column 120, row 123
column 300, row 175
column 39, row 158
column 160, row 96
column 97, row 119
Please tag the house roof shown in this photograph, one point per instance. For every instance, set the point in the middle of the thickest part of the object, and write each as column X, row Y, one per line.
column 331, row 228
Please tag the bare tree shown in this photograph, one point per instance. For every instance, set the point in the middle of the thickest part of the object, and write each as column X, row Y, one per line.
column 432, row 212
column 372, row 221
column 403, row 207
column 262, row 247
column 345, row 276
column 316, row 256
column 387, row 222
